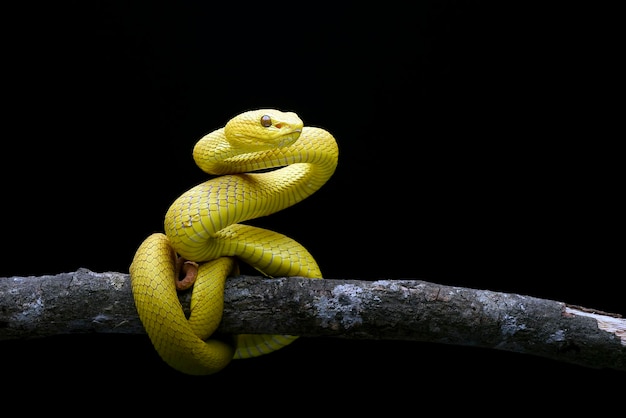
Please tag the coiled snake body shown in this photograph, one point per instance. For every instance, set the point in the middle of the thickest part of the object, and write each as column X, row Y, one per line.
column 204, row 226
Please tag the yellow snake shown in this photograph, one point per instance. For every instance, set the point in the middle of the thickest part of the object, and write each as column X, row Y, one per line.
column 266, row 160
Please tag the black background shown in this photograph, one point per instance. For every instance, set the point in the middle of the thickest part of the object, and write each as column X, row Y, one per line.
column 473, row 152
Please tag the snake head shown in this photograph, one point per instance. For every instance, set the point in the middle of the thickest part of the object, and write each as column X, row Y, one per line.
column 263, row 129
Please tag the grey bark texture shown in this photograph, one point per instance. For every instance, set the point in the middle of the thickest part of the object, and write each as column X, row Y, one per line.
column 415, row 310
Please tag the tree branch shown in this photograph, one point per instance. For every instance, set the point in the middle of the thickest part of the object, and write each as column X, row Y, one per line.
column 415, row 310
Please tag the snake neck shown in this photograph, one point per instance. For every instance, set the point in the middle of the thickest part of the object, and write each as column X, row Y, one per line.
column 242, row 193
column 317, row 148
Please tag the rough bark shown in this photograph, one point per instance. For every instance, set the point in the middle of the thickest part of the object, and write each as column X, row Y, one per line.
column 89, row 302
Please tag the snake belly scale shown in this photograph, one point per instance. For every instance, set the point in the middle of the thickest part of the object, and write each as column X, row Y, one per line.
column 264, row 160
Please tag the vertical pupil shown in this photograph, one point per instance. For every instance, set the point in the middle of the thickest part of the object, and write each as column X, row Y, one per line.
column 266, row 121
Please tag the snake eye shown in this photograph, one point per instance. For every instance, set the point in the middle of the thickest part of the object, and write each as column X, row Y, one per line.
column 266, row 121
